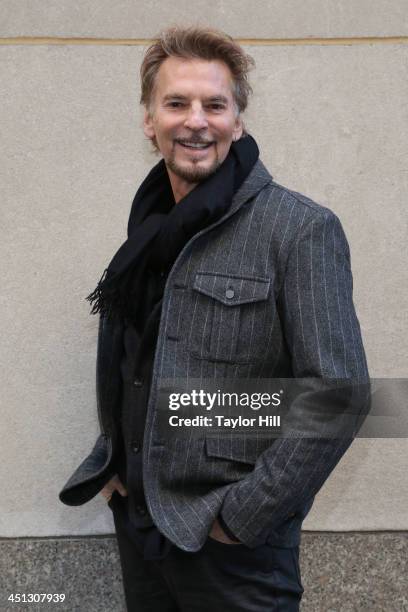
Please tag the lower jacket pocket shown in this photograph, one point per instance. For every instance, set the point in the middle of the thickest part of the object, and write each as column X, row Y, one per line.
column 244, row 449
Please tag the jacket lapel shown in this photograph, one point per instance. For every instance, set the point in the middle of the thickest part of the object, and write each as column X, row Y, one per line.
column 254, row 182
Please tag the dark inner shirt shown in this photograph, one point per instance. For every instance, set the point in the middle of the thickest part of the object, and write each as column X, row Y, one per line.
column 136, row 369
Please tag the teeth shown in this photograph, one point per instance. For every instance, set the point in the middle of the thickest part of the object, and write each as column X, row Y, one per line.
column 195, row 145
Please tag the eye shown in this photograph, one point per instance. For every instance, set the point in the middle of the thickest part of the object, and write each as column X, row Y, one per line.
column 217, row 106
column 174, row 104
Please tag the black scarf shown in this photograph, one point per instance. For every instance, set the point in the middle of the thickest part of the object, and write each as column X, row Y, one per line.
column 158, row 229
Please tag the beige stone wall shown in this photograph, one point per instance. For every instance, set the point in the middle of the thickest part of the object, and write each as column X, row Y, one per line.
column 330, row 117
column 257, row 19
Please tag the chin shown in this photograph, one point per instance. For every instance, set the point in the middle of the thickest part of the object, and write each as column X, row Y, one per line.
column 193, row 172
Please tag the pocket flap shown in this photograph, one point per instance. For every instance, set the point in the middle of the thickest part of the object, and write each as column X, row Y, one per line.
column 237, row 448
column 232, row 290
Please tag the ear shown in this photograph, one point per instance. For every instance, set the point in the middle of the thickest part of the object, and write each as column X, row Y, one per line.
column 148, row 126
column 238, row 128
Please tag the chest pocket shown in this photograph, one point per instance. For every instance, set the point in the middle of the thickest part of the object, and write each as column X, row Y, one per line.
column 228, row 315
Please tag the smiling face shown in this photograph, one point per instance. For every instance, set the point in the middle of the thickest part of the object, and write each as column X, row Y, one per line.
column 193, row 119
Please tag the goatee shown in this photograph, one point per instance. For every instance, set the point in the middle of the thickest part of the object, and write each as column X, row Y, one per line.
column 194, row 174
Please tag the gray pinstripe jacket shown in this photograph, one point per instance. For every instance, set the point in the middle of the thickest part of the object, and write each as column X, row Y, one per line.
column 287, row 261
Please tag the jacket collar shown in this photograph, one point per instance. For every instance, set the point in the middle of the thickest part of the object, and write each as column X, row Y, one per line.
column 254, row 182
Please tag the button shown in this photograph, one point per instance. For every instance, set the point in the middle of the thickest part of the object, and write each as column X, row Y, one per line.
column 140, row 510
column 138, row 382
column 172, row 337
column 229, row 293
column 135, row 447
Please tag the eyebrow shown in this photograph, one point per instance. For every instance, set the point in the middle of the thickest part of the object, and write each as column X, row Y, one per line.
column 177, row 96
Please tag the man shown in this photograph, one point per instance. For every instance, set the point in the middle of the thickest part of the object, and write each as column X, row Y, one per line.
column 225, row 274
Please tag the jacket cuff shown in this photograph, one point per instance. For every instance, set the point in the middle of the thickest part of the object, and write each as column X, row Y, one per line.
column 91, row 476
column 227, row 529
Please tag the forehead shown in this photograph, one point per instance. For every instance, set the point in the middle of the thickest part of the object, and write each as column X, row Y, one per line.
column 192, row 76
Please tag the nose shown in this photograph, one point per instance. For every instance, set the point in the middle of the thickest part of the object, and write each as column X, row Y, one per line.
column 196, row 119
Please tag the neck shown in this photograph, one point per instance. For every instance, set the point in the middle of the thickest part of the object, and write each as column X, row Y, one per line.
column 180, row 186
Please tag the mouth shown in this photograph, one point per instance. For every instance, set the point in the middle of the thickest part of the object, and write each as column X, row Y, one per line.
column 196, row 146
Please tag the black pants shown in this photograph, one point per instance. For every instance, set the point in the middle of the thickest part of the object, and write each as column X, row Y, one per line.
column 220, row 577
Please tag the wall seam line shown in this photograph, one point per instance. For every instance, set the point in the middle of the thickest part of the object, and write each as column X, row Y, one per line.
column 57, row 40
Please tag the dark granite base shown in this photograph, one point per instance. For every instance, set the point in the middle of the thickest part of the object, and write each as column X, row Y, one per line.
column 347, row 572
column 341, row 572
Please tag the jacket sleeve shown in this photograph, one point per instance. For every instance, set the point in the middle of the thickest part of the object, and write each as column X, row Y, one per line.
column 99, row 466
column 323, row 336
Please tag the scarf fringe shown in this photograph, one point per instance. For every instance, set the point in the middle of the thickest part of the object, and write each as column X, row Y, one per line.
column 98, row 298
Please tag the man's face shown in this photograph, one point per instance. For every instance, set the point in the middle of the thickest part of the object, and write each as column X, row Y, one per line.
column 193, row 118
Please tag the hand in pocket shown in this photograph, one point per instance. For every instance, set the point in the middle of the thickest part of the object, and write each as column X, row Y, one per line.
column 114, row 484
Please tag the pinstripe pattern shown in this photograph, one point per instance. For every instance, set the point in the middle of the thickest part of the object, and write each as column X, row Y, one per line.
column 287, row 261
column 306, row 326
